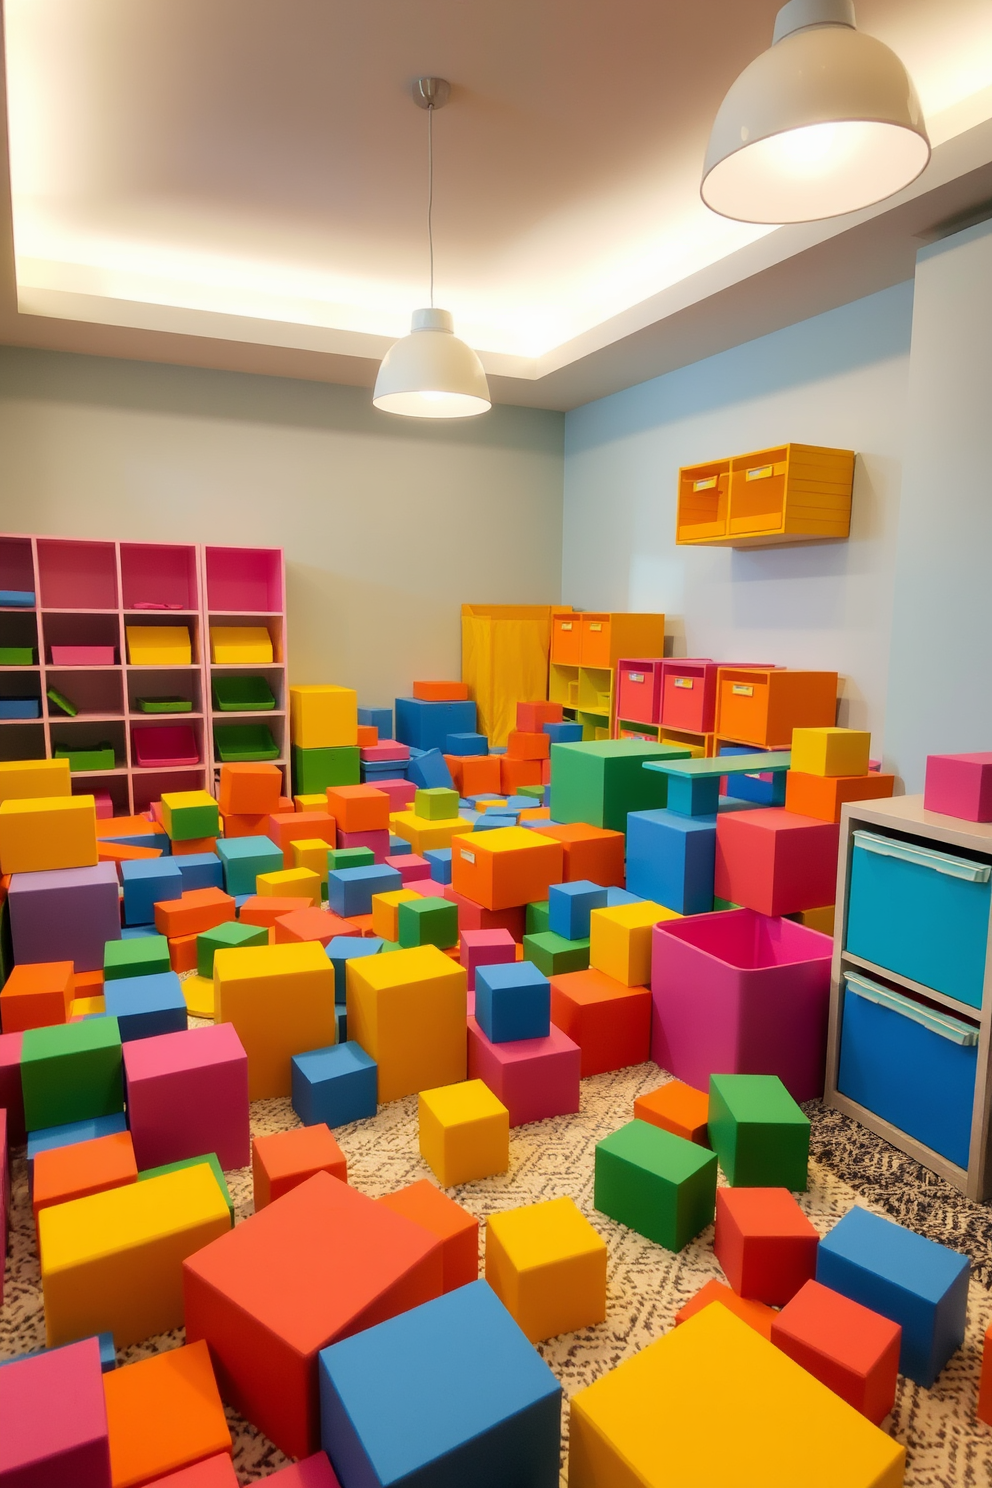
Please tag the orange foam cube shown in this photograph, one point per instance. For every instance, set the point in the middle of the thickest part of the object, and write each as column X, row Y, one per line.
column 526, row 746
column 358, row 808
column 678, row 1109
column 182, row 953
column 531, row 717
column 455, row 1227
column 591, row 853
column 611, row 1023
column 756, row 1314
column 505, row 868
column 195, row 911
column 286, row 827
column 310, row 924
column 474, row 774
column 368, row 735
column 88, row 983
column 64, row 1173
column 266, row 909
column 163, row 1413
column 441, row 692
column 249, row 789
column 194, row 845
column 37, row 994
column 822, row 796
column 513, row 773
column 245, row 825
column 285, row 1159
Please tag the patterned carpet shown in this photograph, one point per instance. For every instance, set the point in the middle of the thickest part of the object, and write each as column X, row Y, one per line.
column 946, row 1447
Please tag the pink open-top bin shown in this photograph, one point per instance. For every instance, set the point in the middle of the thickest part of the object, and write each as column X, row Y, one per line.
column 165, row 746
column 741, row 993
column 84, row 655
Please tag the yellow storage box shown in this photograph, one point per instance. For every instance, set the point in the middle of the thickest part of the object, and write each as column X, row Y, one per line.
column 240, row 645
column 158, row 645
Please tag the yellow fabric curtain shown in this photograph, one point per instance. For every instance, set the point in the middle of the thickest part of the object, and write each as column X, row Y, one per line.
column 505, row 651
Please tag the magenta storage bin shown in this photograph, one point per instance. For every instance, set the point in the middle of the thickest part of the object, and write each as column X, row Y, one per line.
column 639, row 690
column 84, row 655
column 740, row 993
column 163, row 747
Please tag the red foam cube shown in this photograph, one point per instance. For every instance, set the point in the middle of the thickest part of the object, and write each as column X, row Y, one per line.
column 959, row 785
column 985, row 1381
column 472, row 916
column 775, row 862
column 764, row 1242
column 455, row 1227
column 847, row 1347
column 531, row 717
column 610, row 1023
column 283, row 1160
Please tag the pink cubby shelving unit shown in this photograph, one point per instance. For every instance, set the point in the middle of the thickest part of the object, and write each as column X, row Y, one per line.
column 86, row 594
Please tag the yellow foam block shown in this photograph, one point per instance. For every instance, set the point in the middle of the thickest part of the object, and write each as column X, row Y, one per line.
column 82, row 1007
column 830, row 751
column 112, row 1262
column 47, row 832
column 620, row 940
column 199, row 995
column 311, row 853
column 30, row 779
column 817, row 919
column 323, row 716
column 464, row 1132
column 158, row 645
column 712, row 1402
column 280, row 999
column 240, row 645
column 386, row 912
column 291, row 883
column 424, row 834
column 311, row 803
column 547, row 1265
column 407, row 1010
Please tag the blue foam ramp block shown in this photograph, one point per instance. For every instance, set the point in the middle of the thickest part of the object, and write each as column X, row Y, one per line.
column 570, row 905
column 429, row 770
column 671, row 859
column 156, row 840
column 512, row 1001
column 334, row 1085
column 200, row 871
column 146, row 1005
column 345, row 948
column 350, row 890
column 147, row 882
column 427, row 725
column 564, row 733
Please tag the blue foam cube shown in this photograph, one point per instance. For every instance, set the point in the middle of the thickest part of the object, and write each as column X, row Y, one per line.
column 917, row 1283
column 440, row 861
column 512, row 1001
column 377, row 718
column 48, row 1137
column 137, row 932
column 146, row 1005
column 147, row 882
column 671, row 859
column 350, row 890
column 341, row 1014
column 427, row 725
column 466, row 744
column 615, row 896
column 398, row 846
column 335, row 1085
column 570, row 905
column 108, row 1353
column 751, row 787
column 491, row 821
column 429, row 770
column 345, row 948
column 200, row 871
column 564, row 733
column 471, row 1401
column 244, row 858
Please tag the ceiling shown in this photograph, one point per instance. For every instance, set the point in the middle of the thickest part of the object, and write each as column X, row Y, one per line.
column 243, row 183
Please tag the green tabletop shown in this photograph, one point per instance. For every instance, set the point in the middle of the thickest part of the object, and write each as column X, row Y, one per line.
column 724, row 764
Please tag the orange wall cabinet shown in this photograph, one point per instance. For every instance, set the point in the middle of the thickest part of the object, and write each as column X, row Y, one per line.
column 792, row 493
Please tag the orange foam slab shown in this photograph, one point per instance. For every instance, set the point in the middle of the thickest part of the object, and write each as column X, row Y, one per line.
column 262, row 909
column 122, row 852
column 441, row 692
column 124, row 826
column 37, row 994
column 755, row 1314
column 64, row 1173
column 676, row 1108
column 195, row 911
column 164, row 1413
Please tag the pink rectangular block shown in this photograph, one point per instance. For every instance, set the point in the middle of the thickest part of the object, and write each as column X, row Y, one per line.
column 386, row 749
column 4, row 1197
column 11, row 1097
column 775, row 861
column 377, row 841
column 410, row 866
column 312, row 1472
column 54, row 1420
column 739, row 993
column 83, row 655
column 485, row 948
column 959, row 785
column 400, row 792
column 534, row 1078
column 187, row 1094
column 212, row 1472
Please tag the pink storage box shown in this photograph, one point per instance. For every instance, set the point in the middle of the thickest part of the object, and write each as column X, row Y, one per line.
column 534, row 1078
column 639, row 690
column 165, row 746
column 959, row 785
column 187, row 1095
column 377, row 841
column 84, row 655
column 386, row 749
column 740, row 993
column 412, row 869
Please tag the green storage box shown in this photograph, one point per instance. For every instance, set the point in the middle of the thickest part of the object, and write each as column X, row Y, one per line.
column 100, row 758
column 17, row 656
column 165, row 705
column 315, row 769
column 242, row 694
column 244, row 741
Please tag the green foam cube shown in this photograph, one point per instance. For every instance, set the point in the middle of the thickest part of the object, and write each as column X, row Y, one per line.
column 212, row 1161
column 71, row 1072
column 655, row 1183
column 187, row 815
column 427, row 922
column 758, row 1132
column 145, row 956
column 438, row 803
column 224, row 938
column 724, row 904
column 315, row 769
column 554, row 955
column 350, row 857
column 600, row 781
column 537, row 918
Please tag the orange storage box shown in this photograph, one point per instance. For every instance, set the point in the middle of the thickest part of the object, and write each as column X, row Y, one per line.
column 762, row 705
column 505, row 868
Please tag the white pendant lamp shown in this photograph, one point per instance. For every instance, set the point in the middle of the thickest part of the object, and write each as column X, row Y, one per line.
column 430, row 373
column 825, row 122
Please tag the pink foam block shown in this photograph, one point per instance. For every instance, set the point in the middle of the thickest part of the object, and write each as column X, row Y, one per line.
column 11, row 1097
column 4, row 1196
column 385, row 750
column 65, row 914
column 775, row 861
column 534, row 1078
column 400, row 792
column 311, row 1472
column 377, row 841
column 212, row 1472
column 485, row 948
column 959, row 785
column 472, row 916
column 739, row 993
column 54, row 1420
column 187, row 1094
column 84, row 655
column 410, row 866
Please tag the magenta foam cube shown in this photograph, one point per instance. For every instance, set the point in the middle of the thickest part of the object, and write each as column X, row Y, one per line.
column 534, row 1078
column 187, row 1094
column 66, row 914
column 377, row 841
column 741, row 993
column 54, row 1420
column 411, row 867
column 400, row 793
column 959, row 785
column 11, row 1095
column 485, row 948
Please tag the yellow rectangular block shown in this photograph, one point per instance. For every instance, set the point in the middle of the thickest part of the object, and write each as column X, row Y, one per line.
column 47, row 832
column 311, row 852
column 620, row 940
column 424, row 834
column 323, row 716
column 464, row 1132
column 280, row 1000
column 30, row 779
column 830, row 751
column 112, row 1262
column 547, row 1265
column 291, row 883
column 240, row 645
column 311, row 803
column 408, row 1010
column 712, row 1402
column 158, row 645
column 386, row 911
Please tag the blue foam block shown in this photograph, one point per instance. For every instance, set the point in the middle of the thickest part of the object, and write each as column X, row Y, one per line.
column 570, row 905
column 137, row 932
column 427, row 725
column 201, row 871
column 108, row 1354
column 244, row 858
column 615, row 896
column 350, row 890
column 24, row 707
column 72, row 1131
column 398, row 846
column 564, row 733
column 146, row 1005
column 378, row 718
column 671, row 859
column 492, row 821
column 466, row 744
column 429, row 770
column 470, row 1400
column 770, row 792
column 693, row 795
column 344, row 948
column 440, row 861
column 147, row 882
column 512, row 1001
column 341, row 1014
column 151, row 839
column 334, row 1085
column 917, row 1283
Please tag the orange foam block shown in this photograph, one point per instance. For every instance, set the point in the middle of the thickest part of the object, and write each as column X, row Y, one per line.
column 611, row 1023
column 822, row 796
column 441, row 692
column 123, row 852
column 37, row 995
column 287, row 827
column 531, row 717
column 286, row 1159
column 249, row 789
column 244, row 824
column 676, row 1108
column 513, row 773
column 310, row 924
column 189, row 846
column 521, row 745
column 368, row 736
column 508, row 867
column 591, row 853
column 358, row 808
column 64, row 1173
column 263, row 909
column 182, row 953
column 163, row 1413
column 455, row 1228
column 755, row 1314
column 195, row 911
column 474, row 774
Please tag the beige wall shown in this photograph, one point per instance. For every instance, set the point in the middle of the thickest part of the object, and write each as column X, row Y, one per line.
column 388, row 525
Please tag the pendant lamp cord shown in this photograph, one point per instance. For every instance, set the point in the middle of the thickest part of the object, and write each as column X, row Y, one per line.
column 430, row 192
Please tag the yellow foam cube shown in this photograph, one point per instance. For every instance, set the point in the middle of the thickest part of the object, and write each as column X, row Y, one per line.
column 112, row 1262
column 386, row 912
column 82, row 1007
column 830, row 751
column 408, row 1010
column 620, row 940
column 311, row 803
column 464, row 1132
column 198, row 993
column 291, row 883
column 712, row 1402
column 280, row 1000
column 158, row 645
column 311, row 852
column 547, row 1265
column 240, row 645
column 424, row 834
column 323, row 716
column 47, row 832
column 31, row 779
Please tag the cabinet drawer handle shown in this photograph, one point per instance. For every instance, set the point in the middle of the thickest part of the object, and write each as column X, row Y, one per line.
column 942, row 1024
column 597, row 625
column 922, row 857
column 566, row 625
column 635, row 676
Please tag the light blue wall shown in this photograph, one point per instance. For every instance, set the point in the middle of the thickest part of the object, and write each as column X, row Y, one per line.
column 839, row 379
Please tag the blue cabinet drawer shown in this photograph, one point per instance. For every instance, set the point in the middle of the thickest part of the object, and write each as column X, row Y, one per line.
column 921, row 913
column 911, row 1066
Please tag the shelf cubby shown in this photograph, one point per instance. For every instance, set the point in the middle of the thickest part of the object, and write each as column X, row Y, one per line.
column 244, row 581
column 92, row 690
column 158, row 579
column 17, row 564
column 22, row 738
column 76, row 575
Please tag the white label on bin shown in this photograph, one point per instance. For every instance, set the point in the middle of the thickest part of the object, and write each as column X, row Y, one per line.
column 635, row 676
column 467, row 856
column 683, row 682
column 706, row 484
column 566, row 625
column 760, row 472
column 595, row 625
column 742, row 689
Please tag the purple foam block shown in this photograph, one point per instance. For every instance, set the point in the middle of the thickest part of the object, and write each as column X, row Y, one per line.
column 65, row 915
column 53, row 1420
